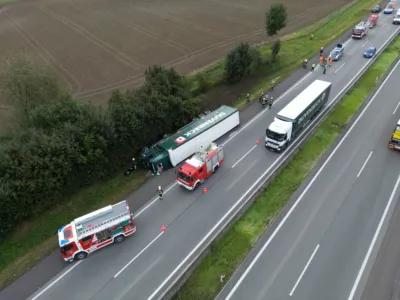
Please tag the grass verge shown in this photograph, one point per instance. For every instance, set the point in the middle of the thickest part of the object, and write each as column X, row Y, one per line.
column 36, row 238
column 227, row 253
column 294, row 48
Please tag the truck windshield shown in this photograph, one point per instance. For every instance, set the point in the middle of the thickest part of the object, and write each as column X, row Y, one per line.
column 275, row 136
column 183, row 176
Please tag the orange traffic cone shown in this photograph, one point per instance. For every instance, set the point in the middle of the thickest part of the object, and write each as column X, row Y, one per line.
column 205, row 190
column 257, row 142
column 163, row 228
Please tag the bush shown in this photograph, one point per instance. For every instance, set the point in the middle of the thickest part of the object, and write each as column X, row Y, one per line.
column 203, row 84
column 239, row 62
column 59, row 146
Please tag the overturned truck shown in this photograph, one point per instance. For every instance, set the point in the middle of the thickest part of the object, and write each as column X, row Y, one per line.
column 174, row 149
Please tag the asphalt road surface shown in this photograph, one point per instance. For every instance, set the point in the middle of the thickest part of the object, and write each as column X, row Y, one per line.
column 384, row 280
column 144, row 266
column 325, row 245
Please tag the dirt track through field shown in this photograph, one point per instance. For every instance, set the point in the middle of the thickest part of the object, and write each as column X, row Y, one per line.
column 98, row 45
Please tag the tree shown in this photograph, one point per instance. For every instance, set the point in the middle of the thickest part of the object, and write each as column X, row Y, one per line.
column 26, row 85
column 275, row 19
column 276, row 47
column 238, row 63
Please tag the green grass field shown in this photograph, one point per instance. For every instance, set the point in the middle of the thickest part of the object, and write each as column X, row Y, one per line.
column 227, row 253
column 36, row 238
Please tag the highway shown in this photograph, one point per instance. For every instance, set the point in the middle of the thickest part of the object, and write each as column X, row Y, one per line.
column 146, row 265
column 325, row 245
column 384, row 279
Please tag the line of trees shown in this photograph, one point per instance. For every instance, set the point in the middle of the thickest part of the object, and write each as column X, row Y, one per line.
column 59, row 146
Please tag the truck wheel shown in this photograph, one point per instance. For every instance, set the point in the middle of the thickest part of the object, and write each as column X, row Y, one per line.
column 216, row 169
column 196, row 186
column 119, row 239
column 80, row 255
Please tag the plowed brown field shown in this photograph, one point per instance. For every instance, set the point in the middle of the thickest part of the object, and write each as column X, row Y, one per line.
column 99, row 45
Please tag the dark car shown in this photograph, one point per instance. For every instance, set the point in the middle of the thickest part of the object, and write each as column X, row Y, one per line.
column 376, row 9
column 370, row 52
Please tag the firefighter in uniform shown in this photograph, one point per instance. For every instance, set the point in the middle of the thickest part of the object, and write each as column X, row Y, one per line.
column 160, row 192
column 248, row 98
column 270, row 101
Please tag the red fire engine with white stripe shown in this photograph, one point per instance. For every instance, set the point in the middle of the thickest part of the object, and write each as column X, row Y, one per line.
column 84, row 235
column 200, row 166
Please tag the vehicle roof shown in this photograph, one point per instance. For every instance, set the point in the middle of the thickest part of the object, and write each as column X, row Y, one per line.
column 374, row 16
column 361, row 25
column 94, row 222
column 304, row 99
column 279, row 126
column 190, row 166
column 198, row 159
column 371, row 48
column 197, row 127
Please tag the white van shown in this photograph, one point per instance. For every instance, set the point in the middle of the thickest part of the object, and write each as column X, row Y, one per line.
column 396, row 19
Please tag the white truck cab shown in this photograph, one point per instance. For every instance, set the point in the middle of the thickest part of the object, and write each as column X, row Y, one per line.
column 278, row 135
column 295, row 115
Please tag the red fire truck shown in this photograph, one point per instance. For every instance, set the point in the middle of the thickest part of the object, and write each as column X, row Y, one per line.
column 200, row 166
column 373, row 20
column 96, row 230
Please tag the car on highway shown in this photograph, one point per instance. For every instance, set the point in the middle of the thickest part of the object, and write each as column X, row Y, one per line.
column 337, row 52
column 376, row 9
column 396, row 19
column 370, row 52
column 389, row 8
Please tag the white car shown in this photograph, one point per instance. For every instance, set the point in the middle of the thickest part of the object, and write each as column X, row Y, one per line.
column 396, row 19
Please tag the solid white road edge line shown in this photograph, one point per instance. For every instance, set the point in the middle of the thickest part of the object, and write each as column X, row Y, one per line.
column 365, row 163
column 304, row 271
column 372, row 245
column 137, row 255
column 397, row 106
column 57, row 280
column 234, row 134
column 242, row 174
column 235, row 287
column 252, row 148
column 288, row 150
column 252, row 120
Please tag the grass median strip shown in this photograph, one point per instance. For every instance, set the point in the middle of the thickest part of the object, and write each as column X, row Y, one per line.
column 36, row 238
column 227, row 253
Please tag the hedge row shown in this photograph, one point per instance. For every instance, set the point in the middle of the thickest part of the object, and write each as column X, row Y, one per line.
column 59, row 145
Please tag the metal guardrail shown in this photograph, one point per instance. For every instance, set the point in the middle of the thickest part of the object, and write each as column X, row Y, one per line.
column 187, row 270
